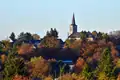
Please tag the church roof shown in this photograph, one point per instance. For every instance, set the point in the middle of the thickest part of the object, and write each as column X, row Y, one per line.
column 75, row 35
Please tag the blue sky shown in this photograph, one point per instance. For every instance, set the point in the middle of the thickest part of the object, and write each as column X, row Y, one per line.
column 38, row 16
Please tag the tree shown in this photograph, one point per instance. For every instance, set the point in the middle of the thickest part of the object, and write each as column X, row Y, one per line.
column 25, row 36
column 12, row 36
column 73, row 76
column 50, row 42
column 19, row 77
column 99, row 35
column 68, row 43
column 87, row 72
column 83, row 35
column 105, row 36
column 3, row 58
column 14, row 65
column 105, row 65
column 36, row 37
column 52, row 32
column 5, row 45
column 55, row 33
column 25, row 48
column 94, row 33
column 79, row 65
column 38, row 67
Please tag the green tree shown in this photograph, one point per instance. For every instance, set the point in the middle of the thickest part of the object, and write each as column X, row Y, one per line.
column 83, row 35
column 69, row 42
column 12, row 36
column 99, row 35
column 87, row 72
column 105, row 36
column 105, row 65
column 6, row 46
column 25, row 36
column 14, row 66
column 52, row 32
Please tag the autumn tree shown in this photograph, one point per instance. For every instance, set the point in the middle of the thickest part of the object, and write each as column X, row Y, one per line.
column 68, row 43
column 73, row 76
column 3, row 58
column 6, row 45
column 94, row 33
column 38, row 67
column 25, row 48
column 36, row 37
column 79, row 65
column 50, row 42
column 19, row 77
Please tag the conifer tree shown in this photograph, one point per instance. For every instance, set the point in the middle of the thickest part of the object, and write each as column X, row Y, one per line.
column 105, row 66
column 12, row 36
column 14, row 65
column 87, row 72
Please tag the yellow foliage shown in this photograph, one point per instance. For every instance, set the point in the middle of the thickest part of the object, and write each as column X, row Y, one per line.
column 3, row 58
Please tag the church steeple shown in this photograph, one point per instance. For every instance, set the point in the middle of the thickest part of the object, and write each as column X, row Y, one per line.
column 73, row 26
column 73, row 19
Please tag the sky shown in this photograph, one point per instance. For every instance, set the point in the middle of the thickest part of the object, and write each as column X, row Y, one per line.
column 38, row 16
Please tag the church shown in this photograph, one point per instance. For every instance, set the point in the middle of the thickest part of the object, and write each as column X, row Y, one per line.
column 74, row 34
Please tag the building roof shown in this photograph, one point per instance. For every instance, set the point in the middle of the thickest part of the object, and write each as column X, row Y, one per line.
column 75, row 35
column 54, row 53
column 73, row 19
column 61, row 41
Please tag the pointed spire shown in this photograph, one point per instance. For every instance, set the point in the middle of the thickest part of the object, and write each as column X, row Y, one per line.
column 73, row 19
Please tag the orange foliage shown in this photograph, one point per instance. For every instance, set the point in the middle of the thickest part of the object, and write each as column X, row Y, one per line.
column 50, row 42
column 113, row 52
column 79, row 65
column 18, row 77
column 39, row 67
column 94, row 49
column 48, row 78
column 25, row 48
column 72, row 77
column 76, row 45
column 3, row 58
column 118, row 78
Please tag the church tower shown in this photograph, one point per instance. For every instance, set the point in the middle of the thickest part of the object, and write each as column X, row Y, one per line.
column 73, row 26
